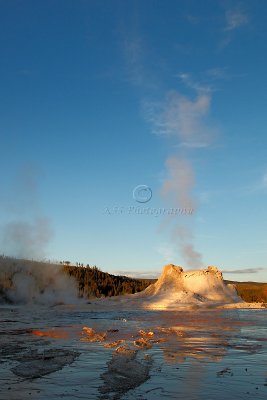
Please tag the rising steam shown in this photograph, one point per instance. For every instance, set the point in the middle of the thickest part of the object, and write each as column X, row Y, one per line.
column 27, row 231
column 177, row 190
column 26, row 236
column 179, row 183
column 31, row 282
column 185, row 120
column 27, row 239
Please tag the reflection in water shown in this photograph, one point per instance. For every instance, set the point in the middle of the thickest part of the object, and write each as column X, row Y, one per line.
column 51, row 333
column 193, row 352
column 199, row 335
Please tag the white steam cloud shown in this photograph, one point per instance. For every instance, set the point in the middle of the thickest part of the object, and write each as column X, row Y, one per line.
column 31, row 282
column 177, row 190
column 185, row 120
column 26, row 236
column 184, row 235
column 27, row 232
column 179, row 184
column 27, row 239
column 182, row 118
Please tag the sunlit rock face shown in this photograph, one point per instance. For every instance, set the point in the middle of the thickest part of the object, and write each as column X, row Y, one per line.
column 191, row 287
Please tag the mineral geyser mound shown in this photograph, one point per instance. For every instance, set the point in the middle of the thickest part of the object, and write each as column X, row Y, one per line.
column 199, row 287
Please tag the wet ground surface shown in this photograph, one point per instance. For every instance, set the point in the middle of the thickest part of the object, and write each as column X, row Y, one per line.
column 74, row 352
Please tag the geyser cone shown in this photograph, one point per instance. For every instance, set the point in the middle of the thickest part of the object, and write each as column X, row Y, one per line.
column 191, row 287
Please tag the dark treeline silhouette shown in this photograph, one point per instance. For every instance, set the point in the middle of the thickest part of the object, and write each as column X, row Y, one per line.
column 95, row 283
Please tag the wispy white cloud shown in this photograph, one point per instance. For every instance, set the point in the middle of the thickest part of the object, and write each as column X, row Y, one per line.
column 182, row 117
column 222, row 74
column 264, row 181
column 137, row 274
column 235, row 18
column 138, row 74
column 193, row 18
column 259, row 185
column 193, row 84
column 243, row 271
column 217, row 73
column 133, row 55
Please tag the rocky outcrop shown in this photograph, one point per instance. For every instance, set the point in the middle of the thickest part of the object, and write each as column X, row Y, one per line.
column 190, row 287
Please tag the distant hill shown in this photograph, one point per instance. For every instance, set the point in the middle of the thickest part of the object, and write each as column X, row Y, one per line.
column 251, row 291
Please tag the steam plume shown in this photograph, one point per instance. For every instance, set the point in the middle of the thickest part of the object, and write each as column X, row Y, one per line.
column 183, row 119
column 177, row 190
column 26, row 236
column 27, row 239
column 28, row 282
column 179, row 183
column 184, row 236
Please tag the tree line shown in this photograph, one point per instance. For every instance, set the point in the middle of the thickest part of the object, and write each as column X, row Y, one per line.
column 92, row 282
column 252, row 292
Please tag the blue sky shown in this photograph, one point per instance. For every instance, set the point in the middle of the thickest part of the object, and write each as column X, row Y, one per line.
column 97, row 96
